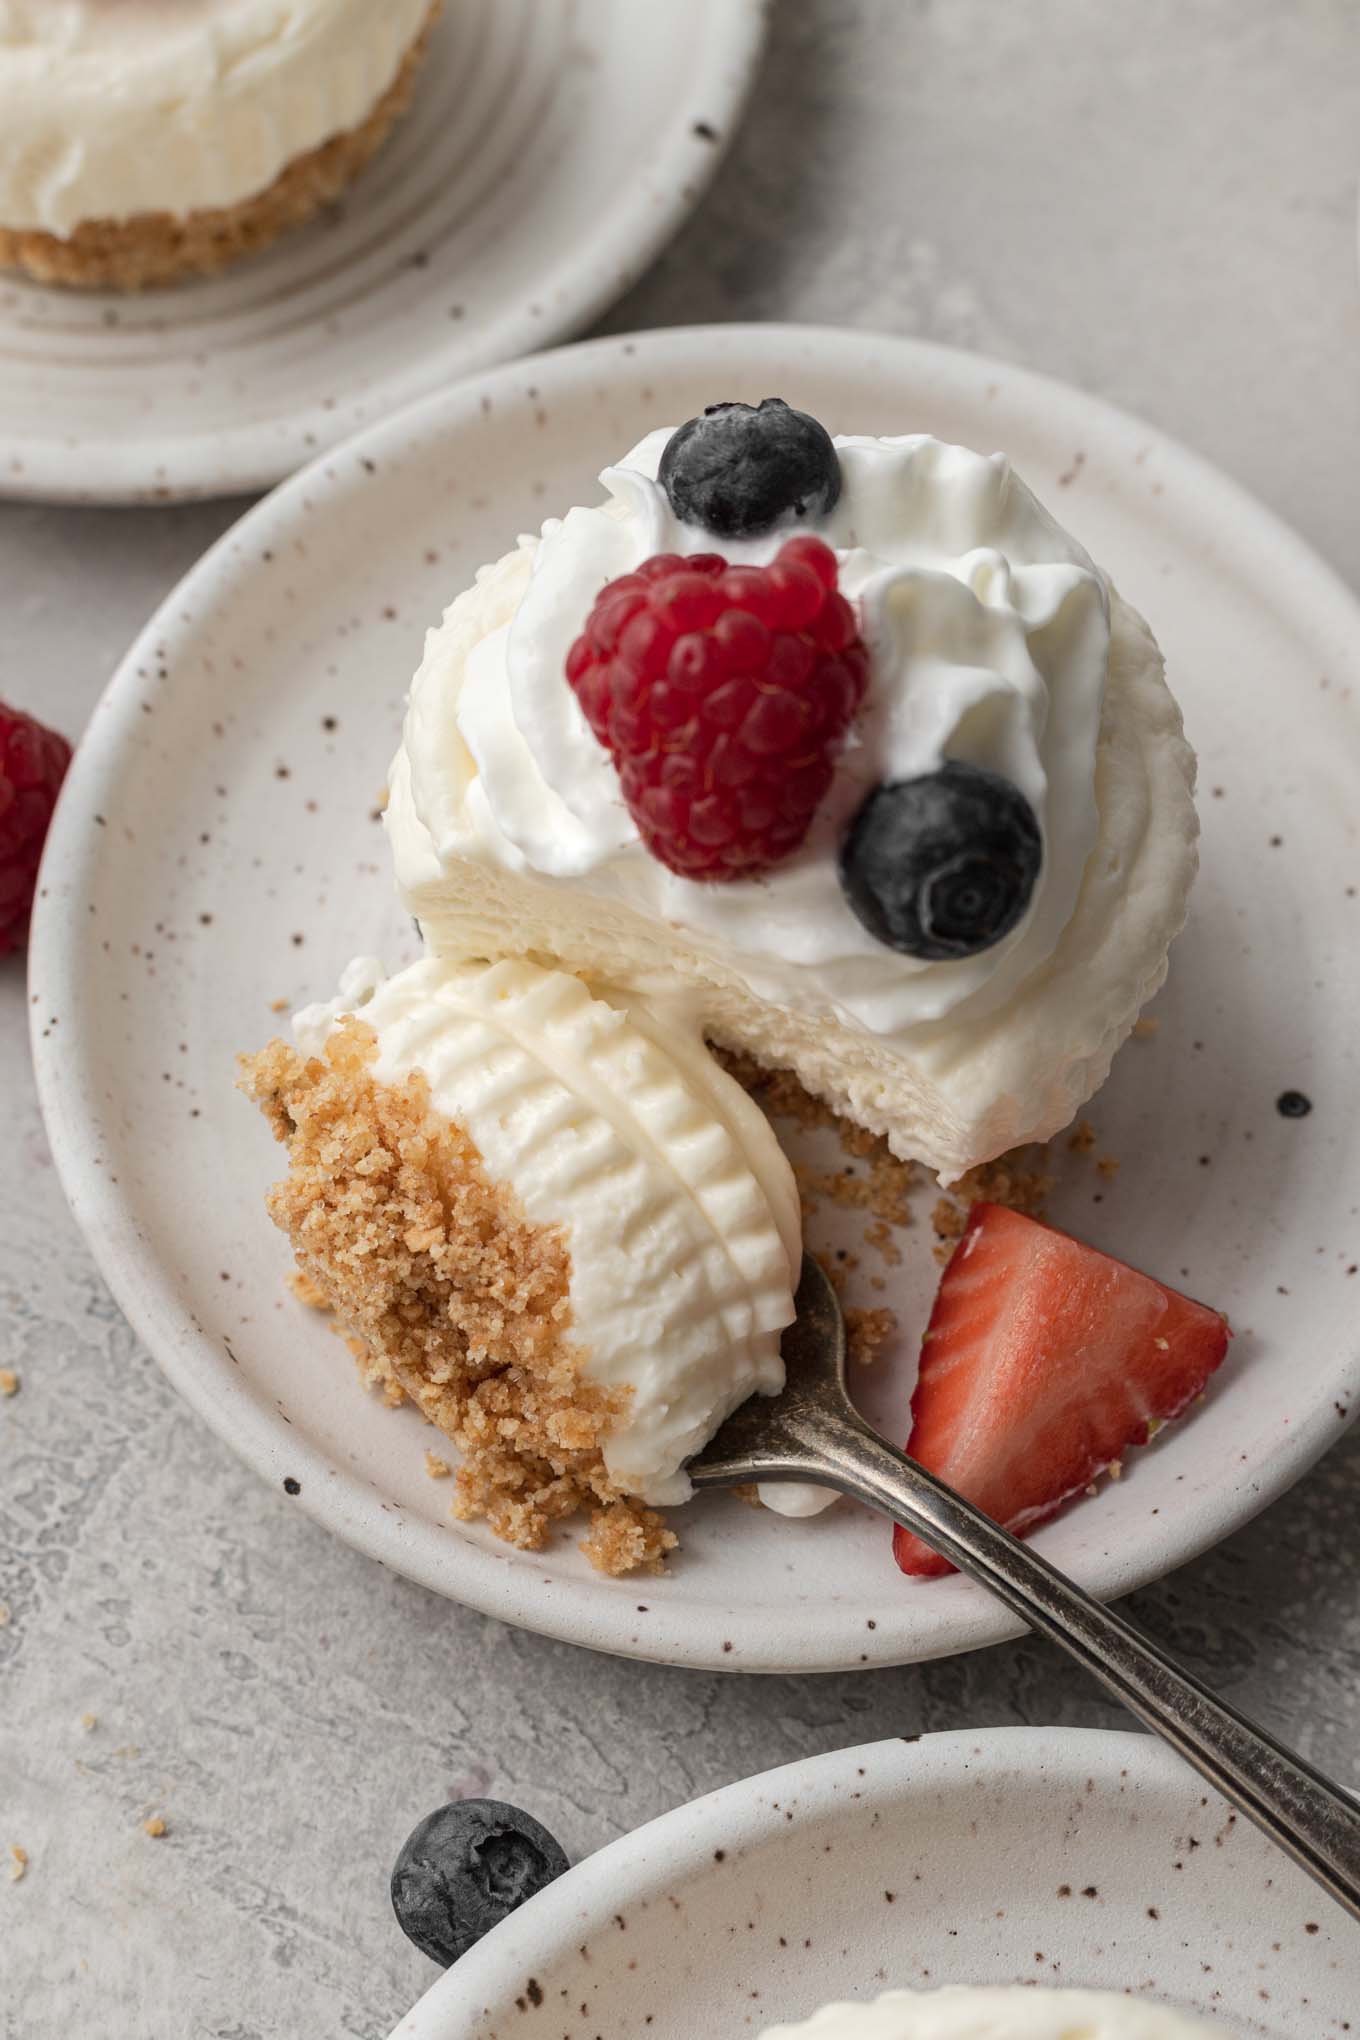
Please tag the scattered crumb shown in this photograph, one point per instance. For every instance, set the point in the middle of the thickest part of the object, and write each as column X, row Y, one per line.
column 306, row 1291
column 437, row 1468
column 9, row 1381
column 5, row 1617
column 747, row 1491
column 1108, row 1167
column 279, row 1005
column 866, row 1331
column 1144, row 1029
column 89, row 1722
column 948, row 1219
column 880, row 1236
column 155, row 1827
column 18, row 1862
column 1082, row 1137
column 1115, row 1469
column 1020, row 1180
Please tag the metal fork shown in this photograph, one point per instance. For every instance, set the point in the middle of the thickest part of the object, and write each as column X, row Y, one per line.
column 812, row 1432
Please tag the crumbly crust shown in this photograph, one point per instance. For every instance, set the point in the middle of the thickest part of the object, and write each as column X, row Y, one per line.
column 449, row 1294
column 159, row 248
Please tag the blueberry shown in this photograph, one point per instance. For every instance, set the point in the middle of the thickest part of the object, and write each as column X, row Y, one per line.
column 943, row 865
column 464, row 1869
column 740, row 469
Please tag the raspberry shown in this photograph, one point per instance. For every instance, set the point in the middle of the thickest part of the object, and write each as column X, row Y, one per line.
column 722, row 694
column 33, row 763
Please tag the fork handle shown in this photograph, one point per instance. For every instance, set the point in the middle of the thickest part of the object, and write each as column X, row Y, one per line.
column 1311, row 1819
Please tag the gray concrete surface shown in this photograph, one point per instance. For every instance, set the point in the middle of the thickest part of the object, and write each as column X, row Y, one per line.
column 1157, row 202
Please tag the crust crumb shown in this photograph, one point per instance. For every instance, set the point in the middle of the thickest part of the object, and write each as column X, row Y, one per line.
column 155, row 1827
column 867, row 1331
column 1146, row 1027
column 18, row 1863
column 10, row 1383
column 437, row 1468
column 306, row 1291
column 448, row 1295
column 1082, row 1138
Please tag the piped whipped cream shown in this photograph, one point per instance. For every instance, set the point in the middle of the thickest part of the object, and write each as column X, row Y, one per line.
column 963, row 2012
column 110, row 108
column 989, row 634
column 679, row 1208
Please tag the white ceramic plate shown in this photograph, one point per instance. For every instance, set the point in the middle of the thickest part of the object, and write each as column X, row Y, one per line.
column 551, row 149
column 1035, row 1856
column 215, row 856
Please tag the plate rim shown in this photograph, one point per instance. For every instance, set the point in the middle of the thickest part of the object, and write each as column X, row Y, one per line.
column 610, row 259
column 343, row 1500
column 680, row 1843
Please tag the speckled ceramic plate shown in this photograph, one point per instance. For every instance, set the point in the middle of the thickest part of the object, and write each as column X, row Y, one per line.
column 551, row 149
column 217, row 860
column 1035, row 1856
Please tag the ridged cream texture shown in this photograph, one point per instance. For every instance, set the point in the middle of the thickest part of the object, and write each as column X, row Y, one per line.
column 1008, row 2013
column 679, row 1209
column 1009, row 1061
column 110, row 108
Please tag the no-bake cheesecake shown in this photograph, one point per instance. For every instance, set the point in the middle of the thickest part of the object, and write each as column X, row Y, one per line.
column 1015, row 2012
column 146, row 140
column 993, row 646
column 840, row 756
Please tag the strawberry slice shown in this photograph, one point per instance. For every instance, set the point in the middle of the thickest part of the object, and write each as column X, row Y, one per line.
column 1042, row 1361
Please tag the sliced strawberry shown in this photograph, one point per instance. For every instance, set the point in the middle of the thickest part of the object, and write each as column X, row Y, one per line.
column 1043, row 1360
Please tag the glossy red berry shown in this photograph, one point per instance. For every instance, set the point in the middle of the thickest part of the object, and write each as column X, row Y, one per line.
column 33, row 763
column 722, row 694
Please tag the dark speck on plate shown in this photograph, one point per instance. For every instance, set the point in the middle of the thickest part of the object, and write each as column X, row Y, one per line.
column 1293, row 1105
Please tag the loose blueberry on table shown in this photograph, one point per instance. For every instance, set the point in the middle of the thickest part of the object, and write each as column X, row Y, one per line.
column 465, row 1868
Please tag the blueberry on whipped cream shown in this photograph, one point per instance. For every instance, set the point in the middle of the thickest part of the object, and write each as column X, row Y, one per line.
column 739, row 469
column 943, row 865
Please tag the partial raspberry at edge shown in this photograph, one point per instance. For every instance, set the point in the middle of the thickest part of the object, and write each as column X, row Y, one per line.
column 723, row 695
column 33, row 763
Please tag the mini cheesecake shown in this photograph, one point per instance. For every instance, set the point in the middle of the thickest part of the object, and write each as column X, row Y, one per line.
column 1000, row 832
column 1015, row 2012
column 838, row 756
column 143, row 141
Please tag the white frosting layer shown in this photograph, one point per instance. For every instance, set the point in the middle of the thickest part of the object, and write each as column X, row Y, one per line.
column 680, row 1211
column 989, row 633
column 110, row 108
column 1015, row 2013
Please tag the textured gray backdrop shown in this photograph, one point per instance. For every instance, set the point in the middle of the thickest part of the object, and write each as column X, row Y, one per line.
column 1156, row 202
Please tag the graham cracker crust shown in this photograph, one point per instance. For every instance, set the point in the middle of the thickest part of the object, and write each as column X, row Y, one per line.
column 451, row 1297
column 159, row 248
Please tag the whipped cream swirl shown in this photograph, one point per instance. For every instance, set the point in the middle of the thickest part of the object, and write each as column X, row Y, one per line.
column 988, row 630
